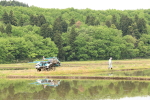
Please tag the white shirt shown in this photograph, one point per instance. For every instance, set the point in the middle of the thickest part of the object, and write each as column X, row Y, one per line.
column 110, row 61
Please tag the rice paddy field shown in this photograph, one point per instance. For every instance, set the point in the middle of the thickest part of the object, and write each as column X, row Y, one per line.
column 74, row 68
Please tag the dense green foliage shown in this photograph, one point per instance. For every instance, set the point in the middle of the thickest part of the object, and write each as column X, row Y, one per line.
column 12, row 3
column 72, row 34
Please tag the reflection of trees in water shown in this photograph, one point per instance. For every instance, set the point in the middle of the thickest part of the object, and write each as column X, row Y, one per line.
column 117, row 90
column 80, row 90
column 128, row 86
column 75, row 82
column 75, row 91
column 42, row 95
column 11, row 92
column 63, row 89
column 11, row 89
column 142, row 85
column 136, row 73
column 94, row 90
column 111, row 85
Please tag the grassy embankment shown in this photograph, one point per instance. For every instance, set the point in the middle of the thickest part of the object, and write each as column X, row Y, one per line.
column 76, row 68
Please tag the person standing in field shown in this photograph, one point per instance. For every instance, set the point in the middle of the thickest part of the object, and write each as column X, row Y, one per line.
column 110, row 63
column 43, row 58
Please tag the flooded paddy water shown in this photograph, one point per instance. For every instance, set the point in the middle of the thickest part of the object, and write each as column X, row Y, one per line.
column 70, row 89
column 79, row 89
column 142, row 72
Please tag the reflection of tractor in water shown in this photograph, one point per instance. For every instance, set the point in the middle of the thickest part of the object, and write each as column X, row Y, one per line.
column 47, row 82
column 48, row 65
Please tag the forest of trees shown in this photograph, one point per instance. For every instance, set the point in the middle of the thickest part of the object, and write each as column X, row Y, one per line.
column 12, row 3
column 28, row 33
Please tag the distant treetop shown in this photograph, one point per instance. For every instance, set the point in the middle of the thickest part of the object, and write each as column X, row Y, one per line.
column 13, row 3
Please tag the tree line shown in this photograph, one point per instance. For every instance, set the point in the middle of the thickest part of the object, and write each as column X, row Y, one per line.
column 77, row 34
column 12, row 3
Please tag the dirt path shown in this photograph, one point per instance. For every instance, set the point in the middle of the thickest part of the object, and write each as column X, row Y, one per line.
column 82, row 77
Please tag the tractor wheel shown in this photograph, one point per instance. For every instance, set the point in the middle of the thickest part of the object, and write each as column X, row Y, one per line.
column 39, row 70
column 47, row 69
column 50, row 67
column 53, row 68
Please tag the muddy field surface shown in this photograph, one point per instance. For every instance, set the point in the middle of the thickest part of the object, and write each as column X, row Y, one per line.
column 13, row 68
column 82, row 77
column 77, row 70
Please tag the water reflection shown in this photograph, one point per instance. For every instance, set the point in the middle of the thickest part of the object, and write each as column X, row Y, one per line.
column 145, row 72
column 73, row 90
column 46, row 82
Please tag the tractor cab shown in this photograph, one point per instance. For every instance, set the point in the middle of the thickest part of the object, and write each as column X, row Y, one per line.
column 51, row 63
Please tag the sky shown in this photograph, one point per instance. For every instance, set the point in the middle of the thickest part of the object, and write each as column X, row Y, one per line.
column 91, row 4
